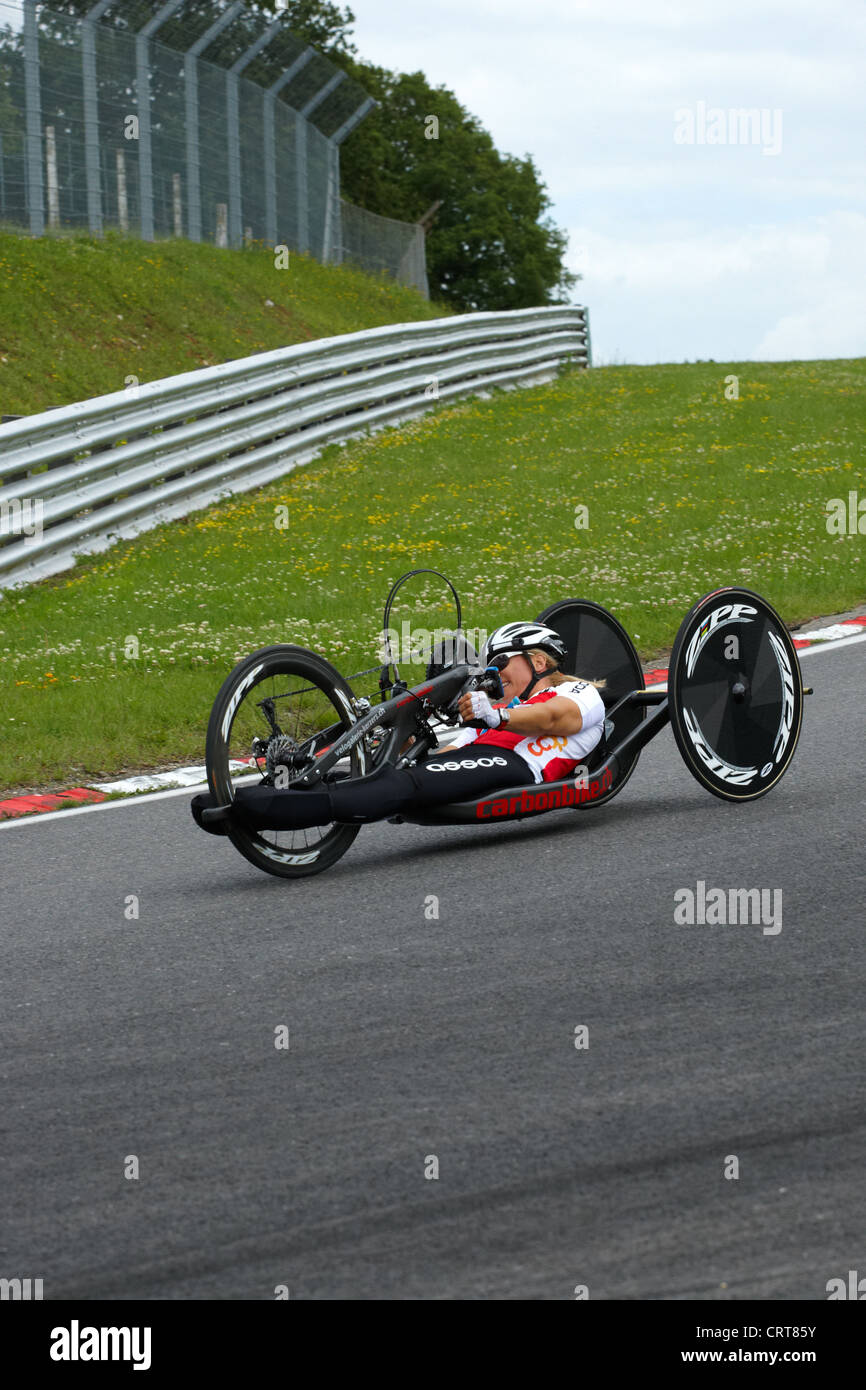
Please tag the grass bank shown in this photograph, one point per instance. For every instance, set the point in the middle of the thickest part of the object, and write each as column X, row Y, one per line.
column 80, row 314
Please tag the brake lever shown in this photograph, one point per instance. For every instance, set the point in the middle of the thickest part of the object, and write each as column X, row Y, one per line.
column 491, row 682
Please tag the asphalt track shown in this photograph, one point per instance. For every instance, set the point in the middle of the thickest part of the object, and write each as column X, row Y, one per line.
column 412, row 1037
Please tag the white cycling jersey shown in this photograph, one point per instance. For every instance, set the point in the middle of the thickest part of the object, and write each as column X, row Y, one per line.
column 550, row 756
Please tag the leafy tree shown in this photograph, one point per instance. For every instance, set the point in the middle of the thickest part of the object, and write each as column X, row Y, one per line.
column 322, row 24
column 491, row 245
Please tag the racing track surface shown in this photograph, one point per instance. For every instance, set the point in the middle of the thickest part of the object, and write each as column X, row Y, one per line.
column 455, row 1038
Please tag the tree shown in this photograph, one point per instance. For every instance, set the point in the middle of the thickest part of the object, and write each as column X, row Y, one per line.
column 321, row 23
column 491, row 246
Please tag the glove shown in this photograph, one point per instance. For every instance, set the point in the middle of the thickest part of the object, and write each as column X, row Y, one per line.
column 482, row 709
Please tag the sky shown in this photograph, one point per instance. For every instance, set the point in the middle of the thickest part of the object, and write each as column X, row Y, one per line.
column 699, row 235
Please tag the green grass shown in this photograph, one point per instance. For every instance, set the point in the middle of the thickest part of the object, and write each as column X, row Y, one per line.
column 78, row 315
column 686, row 491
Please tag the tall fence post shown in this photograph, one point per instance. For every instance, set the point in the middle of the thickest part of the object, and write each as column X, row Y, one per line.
column 193, row 183
column 335, row 250
column 190, row 77
column 142, row 87
column 330, row 240
column 145, row 167
column 234, row 159
column 270, row 149
column 234, row 136
column 269, row 152
column 33, row 100
column 306, row 111
column 92, row 171
column 302, row 203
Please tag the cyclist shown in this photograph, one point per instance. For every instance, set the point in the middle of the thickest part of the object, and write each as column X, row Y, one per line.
column 550, row 725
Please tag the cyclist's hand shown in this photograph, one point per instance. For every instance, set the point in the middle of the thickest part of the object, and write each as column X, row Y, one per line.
column 475, row 704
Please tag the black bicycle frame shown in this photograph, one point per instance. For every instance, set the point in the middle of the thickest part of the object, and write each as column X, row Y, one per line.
column 399, row 714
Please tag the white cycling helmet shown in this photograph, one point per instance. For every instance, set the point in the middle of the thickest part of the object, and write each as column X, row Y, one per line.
column 513, row 639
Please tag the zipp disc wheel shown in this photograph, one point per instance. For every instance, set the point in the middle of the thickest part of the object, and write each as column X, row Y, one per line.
column 736, row 694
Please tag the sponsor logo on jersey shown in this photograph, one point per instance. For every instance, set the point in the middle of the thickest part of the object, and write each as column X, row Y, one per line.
column 548, row 744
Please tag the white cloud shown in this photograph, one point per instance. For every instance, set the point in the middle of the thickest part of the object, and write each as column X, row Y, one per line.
column 684, row 262
column 692, row 251
column 769, row 292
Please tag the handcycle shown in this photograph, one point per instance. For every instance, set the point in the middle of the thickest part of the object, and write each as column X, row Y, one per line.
column 286, row 717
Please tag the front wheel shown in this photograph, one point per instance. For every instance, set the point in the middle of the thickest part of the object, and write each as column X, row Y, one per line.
column 276, row 712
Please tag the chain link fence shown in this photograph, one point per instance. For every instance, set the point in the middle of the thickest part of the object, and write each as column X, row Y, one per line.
column 381, row 243
column 226, row 127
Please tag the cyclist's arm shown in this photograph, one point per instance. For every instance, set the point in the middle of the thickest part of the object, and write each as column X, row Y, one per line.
column 560, row 715
column 557, row 716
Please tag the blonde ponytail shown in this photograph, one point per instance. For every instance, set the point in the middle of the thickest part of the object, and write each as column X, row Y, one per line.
column 556, row 676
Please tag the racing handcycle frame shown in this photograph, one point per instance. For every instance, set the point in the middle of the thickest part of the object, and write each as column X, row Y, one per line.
column 734, row 699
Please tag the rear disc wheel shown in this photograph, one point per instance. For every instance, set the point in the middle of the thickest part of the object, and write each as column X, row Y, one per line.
column 600, row 649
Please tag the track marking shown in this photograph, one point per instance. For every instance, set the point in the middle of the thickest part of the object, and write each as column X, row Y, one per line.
column 831, row 646
column 108, row 805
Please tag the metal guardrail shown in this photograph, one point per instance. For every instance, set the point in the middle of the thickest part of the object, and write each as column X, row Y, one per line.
column 76, row 479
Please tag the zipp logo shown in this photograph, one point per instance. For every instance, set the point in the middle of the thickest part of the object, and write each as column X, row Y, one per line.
column 454, row 766
column 281, row 857
column 738, row 776
column 236, row 699
column 788, row 711
column 721, row 616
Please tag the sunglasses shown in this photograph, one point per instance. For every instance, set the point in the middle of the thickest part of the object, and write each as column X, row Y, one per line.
column 499, row 663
